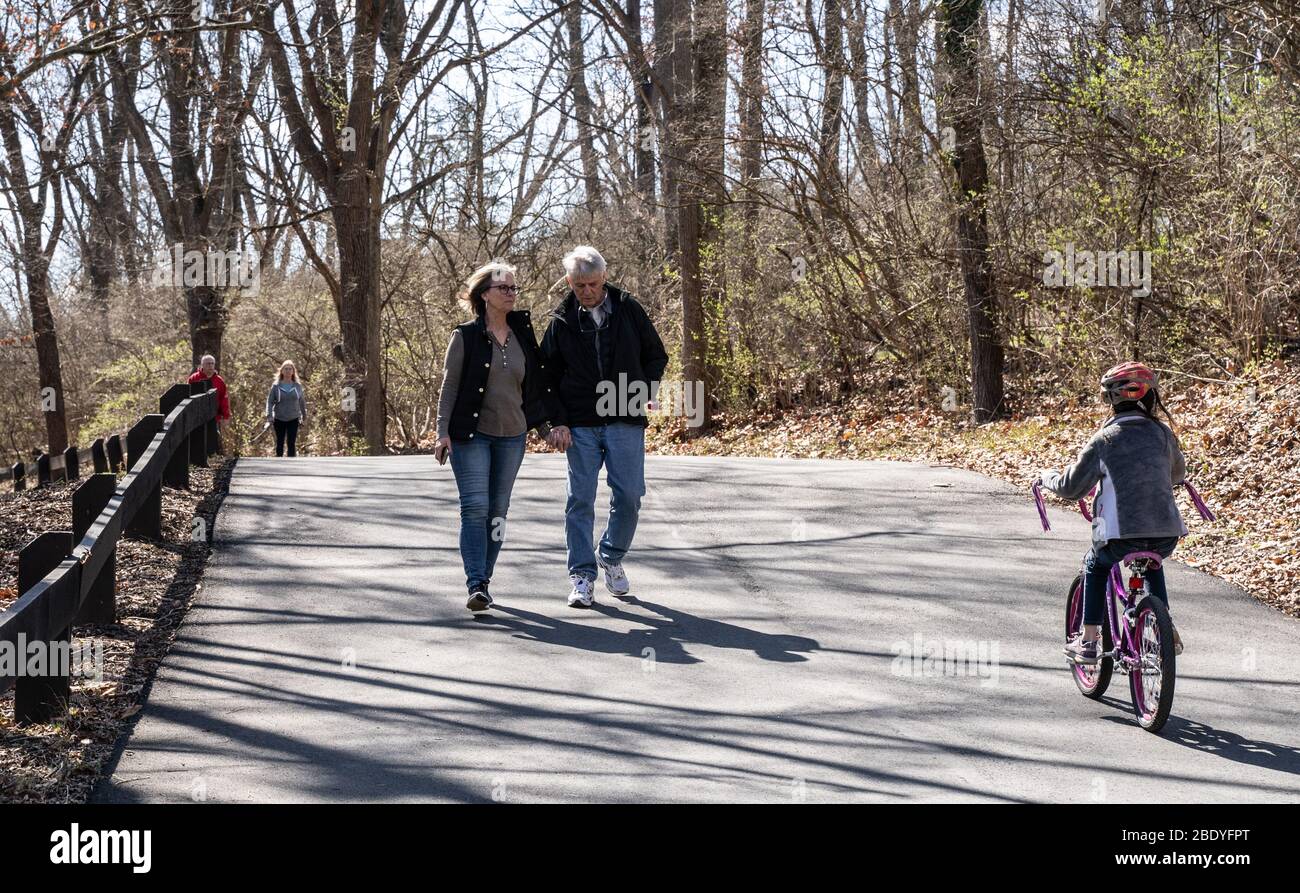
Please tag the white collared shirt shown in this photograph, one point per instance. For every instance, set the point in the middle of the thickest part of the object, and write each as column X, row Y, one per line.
column 598, row 312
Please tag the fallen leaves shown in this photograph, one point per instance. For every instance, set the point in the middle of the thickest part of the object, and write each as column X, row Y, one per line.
column 1240, row 439
column 60, row 762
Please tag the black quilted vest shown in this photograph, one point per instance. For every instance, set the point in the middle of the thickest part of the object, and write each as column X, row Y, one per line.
column 540, row 398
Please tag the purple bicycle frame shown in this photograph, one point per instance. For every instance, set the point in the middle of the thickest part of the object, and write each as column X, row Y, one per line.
column 1128, row 651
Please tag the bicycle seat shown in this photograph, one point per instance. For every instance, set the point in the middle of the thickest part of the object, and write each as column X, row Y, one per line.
column 1141, row 562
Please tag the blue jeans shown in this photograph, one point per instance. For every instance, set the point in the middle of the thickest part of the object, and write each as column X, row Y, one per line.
column 620, row 447
column 485, row 469
column 1096, row 569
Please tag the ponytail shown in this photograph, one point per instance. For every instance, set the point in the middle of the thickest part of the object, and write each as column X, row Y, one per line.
column 1151, row 403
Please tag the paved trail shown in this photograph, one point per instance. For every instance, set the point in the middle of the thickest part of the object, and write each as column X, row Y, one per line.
column 764, row 654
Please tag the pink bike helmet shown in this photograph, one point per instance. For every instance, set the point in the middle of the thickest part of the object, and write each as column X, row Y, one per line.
column 1127, row 381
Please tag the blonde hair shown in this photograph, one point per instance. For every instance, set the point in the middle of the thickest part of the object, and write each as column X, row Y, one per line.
column 486, row 276
column 279, row 376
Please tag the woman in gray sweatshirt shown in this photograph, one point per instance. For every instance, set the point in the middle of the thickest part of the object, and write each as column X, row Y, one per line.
column 286, row 407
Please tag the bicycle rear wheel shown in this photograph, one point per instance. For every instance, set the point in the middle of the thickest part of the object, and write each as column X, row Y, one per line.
column 1152, row 680
column 1092, row 681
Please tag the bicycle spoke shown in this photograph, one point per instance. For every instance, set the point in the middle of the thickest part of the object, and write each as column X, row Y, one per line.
column 1150, row 666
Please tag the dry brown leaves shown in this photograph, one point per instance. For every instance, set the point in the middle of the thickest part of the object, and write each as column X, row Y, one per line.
column 1240, row 438
column 60, row 762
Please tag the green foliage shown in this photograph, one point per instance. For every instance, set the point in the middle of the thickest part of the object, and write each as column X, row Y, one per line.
column 132, row 384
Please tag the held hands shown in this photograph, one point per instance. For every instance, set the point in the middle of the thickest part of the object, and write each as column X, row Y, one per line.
column 442, row 450
column 560, row 437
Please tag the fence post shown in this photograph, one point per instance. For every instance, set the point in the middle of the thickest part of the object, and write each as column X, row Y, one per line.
column 116, row 460
column 202, row 386
column 215, row 446
column 99, row 456
column 99, row 607
column 198, row 440
column 38, row 699
column 20, row 476
column 148, row 518
column 177, row 473
column 71, row 464
column 42, row 470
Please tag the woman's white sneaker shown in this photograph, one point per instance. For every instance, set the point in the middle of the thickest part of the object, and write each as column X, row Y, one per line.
column 615, row 579
column 581, row 596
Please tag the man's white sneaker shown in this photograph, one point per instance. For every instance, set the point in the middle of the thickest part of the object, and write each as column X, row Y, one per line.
column 615, row 579
column 581, row 596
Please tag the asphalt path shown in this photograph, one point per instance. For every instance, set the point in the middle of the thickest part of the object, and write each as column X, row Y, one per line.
column 797, row 631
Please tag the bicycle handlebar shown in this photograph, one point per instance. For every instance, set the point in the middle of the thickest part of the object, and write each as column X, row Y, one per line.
column 1201, row 507
column 1042, row 507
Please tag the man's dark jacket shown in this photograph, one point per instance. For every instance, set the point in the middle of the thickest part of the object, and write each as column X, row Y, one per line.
column 579, row 356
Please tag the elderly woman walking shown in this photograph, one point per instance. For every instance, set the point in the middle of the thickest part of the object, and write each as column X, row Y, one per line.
column 494, row 388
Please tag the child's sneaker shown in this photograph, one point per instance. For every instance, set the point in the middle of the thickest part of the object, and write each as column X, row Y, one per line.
column 1082, row 652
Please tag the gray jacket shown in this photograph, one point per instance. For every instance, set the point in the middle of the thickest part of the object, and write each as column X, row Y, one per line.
column 1137, row 463
column 286, row 405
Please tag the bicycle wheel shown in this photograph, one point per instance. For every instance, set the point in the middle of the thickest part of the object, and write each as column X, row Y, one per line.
column 1152, row 680
column 1092, row 681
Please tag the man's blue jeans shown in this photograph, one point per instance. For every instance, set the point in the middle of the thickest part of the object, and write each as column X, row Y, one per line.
column 1096, row 571
column 620, row 447
column 485, row 469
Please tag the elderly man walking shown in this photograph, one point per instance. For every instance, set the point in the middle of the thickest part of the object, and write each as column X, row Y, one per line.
column 602, row 352
column 207, row 371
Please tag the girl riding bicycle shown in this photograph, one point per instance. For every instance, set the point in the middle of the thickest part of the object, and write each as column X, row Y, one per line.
column 1135, row 460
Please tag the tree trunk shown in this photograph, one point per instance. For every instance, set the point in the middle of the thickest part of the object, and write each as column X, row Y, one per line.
column 960, row 26
column 711, row 96
column 30, row 213
column 643, row 100
column 207, row 321
column 50, row 369
column 358, row 250
column 582, row 107
column 832, row 97
column 751, row 144
column 862, row 131
column 672, row 36
column 905, row 24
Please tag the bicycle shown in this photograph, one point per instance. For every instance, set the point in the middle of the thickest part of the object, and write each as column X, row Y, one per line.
column 1144, row 647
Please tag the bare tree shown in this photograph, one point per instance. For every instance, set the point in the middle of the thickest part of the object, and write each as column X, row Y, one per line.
column 963, row 108
column 26, row 118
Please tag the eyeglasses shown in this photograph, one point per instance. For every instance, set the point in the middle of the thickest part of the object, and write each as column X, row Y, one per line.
column 508, row 289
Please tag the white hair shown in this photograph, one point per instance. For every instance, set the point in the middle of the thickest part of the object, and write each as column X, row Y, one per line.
column 207, row 356
column 584, row 260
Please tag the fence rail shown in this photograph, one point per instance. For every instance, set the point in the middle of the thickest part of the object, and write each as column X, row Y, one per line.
column 105, row 454
column 66, row 578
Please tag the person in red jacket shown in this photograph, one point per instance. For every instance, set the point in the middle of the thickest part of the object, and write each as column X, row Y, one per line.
column 207, row 371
